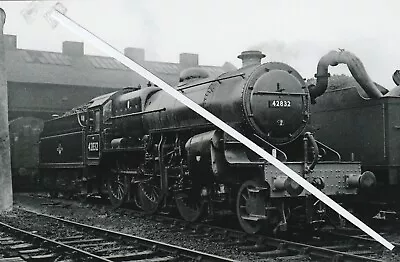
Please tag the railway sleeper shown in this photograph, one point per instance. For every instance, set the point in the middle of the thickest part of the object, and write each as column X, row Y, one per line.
column 5, row 239
column 134, row 255
column 274, row 253
column 156, row 259
column 294, row 258
column 21, row 246
column 342, row 247
column 12, row 259
column 43, row 257
column 114, row 249
column 361, row 252
column 96, row 244
column 31, row 251
column 11, row 243
column 83, row 241
column 68, row 238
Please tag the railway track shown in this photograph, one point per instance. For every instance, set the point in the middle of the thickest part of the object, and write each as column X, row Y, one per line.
column 325, row 247
column 328, row 245
column 72, row 241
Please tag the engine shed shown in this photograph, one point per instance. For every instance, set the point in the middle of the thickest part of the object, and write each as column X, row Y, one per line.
column 42, row 83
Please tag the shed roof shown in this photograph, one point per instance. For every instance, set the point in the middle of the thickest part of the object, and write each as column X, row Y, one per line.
column 32, row 66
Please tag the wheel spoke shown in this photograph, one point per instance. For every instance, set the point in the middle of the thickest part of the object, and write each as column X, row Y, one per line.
column 244, row 197
column 118, row 187
column 148, row 196
column 120, row 191
column 190, row 206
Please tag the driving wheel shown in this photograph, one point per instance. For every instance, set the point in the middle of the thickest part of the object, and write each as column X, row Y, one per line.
column 190, row 205
column 118, row 186
column 148, row 197
column 250, row 207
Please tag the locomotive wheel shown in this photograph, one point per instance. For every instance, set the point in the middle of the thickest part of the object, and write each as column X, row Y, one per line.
column 136, row 201
column 248, row 202
column 148, row 197
column 190, row 205
column 118, row 186
column 135, row 196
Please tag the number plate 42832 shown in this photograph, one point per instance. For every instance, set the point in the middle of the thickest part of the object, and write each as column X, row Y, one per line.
column 279, row 103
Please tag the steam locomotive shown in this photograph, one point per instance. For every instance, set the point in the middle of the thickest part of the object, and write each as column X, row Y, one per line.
column 361, row 120
column 144, row 147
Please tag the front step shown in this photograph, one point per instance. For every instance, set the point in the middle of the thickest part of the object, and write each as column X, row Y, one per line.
column 254, row 218
column 257, row 189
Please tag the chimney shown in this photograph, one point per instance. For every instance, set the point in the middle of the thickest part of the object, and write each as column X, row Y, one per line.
column 187, row 60
column 72, row 48
column 136, row 54
column 10, row 42
column 251, row 58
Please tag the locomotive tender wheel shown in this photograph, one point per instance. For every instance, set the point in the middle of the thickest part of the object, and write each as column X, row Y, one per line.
column 190, row 205
column 248, row 205
column 118, row 189
column 148, row 197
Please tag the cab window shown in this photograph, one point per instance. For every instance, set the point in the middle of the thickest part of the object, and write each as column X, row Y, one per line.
column 107, row 111
column 97, row 121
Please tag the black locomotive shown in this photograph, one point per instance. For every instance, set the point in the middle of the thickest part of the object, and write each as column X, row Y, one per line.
column 360, row 119
column 149, row 149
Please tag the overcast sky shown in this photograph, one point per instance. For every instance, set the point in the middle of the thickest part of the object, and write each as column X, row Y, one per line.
column 298, row 32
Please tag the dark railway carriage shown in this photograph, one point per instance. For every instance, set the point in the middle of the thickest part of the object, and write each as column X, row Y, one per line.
column 62, row 151
column 24, row 148
column 361, row 120
column 364, row 129
column 157, row 153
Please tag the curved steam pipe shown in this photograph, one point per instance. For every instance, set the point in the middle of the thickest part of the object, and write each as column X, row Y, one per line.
column 356, row 67
column 310, row 138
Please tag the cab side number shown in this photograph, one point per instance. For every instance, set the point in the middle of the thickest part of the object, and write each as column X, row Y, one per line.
column 93, row 146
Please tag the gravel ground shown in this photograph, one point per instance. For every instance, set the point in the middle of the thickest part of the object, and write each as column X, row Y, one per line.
column 106, row 217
